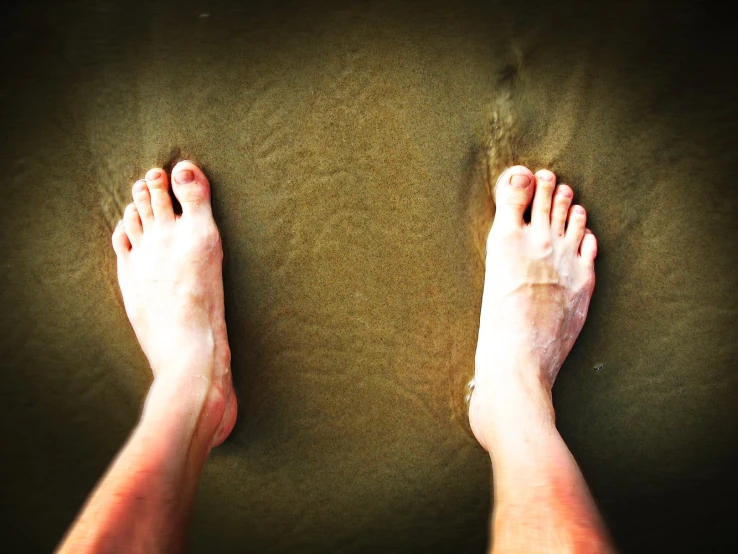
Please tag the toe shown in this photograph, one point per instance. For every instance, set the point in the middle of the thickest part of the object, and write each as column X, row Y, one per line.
column 561, row 203
column 588, row 248
column 575, row 226
column 121, row 244
column 191, row 188
column 513, row 192
column 161, row 202
column 132, row 224
column 540, row 215
column 142, row 199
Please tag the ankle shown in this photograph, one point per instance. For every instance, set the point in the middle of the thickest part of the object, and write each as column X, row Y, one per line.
column 506, row 404
column 176, row 401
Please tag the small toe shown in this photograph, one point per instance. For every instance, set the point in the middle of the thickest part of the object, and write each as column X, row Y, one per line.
column 132, row 224
column 561, row 204
column 142, row 199
column 161, row 202
column 540, row 215
column 121, row 244
column 588, row 248
column 575, row 226
column 191, row 188
column 513, row 193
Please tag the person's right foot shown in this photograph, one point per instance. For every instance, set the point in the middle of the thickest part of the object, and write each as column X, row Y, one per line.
column 170, row 274
column 538, row 283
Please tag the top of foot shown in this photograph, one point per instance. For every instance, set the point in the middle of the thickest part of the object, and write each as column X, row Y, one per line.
column 539, row 277
column 170, row 275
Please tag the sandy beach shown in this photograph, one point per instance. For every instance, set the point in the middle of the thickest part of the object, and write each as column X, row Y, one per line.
column 350, row 147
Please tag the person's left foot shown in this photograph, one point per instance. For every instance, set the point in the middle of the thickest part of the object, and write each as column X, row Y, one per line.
column 538, row 283
column 170, row 274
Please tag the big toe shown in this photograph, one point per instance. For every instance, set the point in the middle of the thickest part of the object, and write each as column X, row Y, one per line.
column 191, row 188
column 513, row 193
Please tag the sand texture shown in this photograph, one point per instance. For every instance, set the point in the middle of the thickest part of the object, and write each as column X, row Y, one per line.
column 349, row 145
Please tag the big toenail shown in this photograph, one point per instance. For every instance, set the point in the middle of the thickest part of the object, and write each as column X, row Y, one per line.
column 153, row 176
column 520, row 181
column 185, row 176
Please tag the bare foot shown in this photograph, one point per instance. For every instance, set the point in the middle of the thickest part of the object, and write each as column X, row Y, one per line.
column 538, row 283
column 170, row 274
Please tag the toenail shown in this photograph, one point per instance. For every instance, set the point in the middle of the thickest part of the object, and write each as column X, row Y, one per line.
column 579, row 210
column 153, row 175
column 139, row 185
column 185, row 176
column 520, row 181
column 566, row 192
column 546, row 176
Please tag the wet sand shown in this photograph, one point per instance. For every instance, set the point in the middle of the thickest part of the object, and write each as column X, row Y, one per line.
column 349, row 148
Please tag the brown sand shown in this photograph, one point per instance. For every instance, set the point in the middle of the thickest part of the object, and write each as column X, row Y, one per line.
column 347, row 150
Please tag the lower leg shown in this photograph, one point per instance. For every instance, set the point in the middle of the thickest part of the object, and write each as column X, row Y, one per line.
column 542, row 503
column 143, row 502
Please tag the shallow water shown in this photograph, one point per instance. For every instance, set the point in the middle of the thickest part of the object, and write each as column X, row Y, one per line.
column 350, row 150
